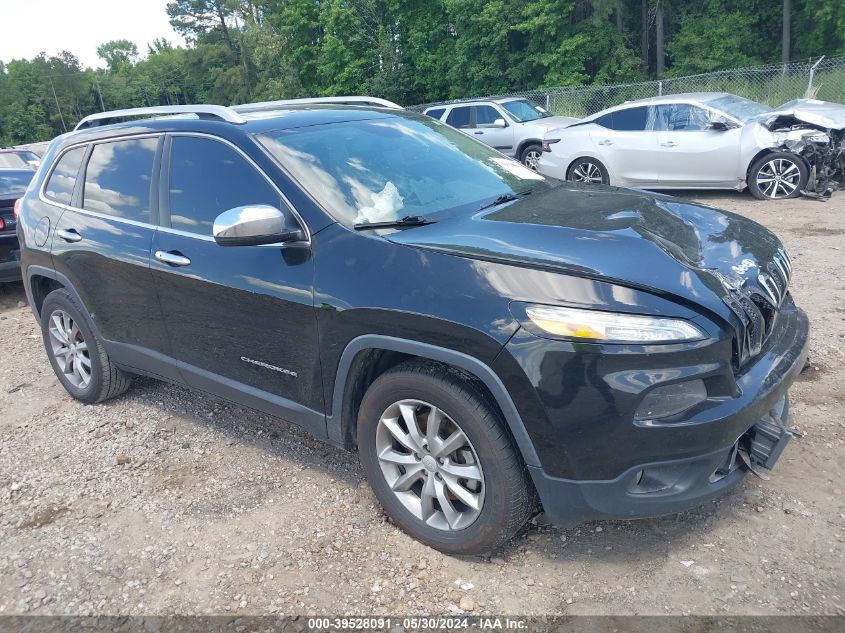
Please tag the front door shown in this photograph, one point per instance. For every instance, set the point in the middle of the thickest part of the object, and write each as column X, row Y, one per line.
column 241, row 318
column 483, row 128
column 692, row 154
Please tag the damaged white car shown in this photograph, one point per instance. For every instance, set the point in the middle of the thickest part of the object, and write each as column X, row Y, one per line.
column 705, row 141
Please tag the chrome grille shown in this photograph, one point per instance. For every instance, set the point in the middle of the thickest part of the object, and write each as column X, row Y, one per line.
column 757, row 305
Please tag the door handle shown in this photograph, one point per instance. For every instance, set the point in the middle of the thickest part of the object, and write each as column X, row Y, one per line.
column 606, row 141
column 669, row 144
column 172, row 258
column 69, row 235
column 478, row 133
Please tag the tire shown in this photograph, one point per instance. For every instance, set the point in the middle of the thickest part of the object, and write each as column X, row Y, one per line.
column 501, row 491
column 777, row 176
column 530, row 156
column 589, row 171
column 61, row 315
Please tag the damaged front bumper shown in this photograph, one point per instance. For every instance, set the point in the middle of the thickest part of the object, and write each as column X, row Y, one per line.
column 758, row 415
column 815, row 131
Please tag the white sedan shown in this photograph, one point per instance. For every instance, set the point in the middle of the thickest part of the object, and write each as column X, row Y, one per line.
column 703, row 141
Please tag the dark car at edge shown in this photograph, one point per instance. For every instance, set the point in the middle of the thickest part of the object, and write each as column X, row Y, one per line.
column 489, row 340
column 13, row 184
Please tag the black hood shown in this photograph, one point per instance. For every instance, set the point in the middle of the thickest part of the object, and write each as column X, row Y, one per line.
column 633, row 238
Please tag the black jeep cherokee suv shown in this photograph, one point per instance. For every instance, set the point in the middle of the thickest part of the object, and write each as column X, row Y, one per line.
column 480, row 333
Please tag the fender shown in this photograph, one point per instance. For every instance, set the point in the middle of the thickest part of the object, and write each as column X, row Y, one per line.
column 472, row 365
column 49, row 273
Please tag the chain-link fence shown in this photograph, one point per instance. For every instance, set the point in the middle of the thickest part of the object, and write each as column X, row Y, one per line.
column 772, row 85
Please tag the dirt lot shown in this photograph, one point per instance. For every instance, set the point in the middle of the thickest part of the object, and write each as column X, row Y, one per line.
column 222, row 510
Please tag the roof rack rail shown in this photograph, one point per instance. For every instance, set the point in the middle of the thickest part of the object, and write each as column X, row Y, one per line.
column 343, row 100
column 214, row 112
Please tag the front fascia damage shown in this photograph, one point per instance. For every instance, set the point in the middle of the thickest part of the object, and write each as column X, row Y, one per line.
column 814, row 130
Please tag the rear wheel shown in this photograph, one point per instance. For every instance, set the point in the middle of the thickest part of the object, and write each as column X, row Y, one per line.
column 440, row 461
column 76, row 354
column 589, row 171
column 531, row 155
column 777, row 176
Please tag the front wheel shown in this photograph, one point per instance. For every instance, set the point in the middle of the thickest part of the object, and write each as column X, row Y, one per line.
column 440, row 461
column 777, row 176
column 589, row 171
column 531, row 155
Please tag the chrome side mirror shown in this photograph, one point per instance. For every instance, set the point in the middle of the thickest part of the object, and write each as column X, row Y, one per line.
column 500, row 123
column 253, row 225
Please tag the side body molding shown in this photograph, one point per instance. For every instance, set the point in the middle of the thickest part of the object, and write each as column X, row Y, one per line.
column 424, row 350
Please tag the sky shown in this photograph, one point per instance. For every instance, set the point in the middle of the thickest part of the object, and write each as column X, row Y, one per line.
column 28, row 27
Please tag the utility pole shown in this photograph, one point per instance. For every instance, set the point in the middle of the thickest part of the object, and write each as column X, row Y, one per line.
column 58, row 107
column 786, row 42
column 660, row 65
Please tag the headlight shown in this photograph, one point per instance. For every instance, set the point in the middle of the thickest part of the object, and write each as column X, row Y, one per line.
column 611, row 327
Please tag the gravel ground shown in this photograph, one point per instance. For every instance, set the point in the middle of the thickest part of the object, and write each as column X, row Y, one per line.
column 164, row 501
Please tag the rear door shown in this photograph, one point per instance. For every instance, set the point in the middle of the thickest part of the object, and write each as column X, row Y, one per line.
column 627, row 145
column 692, row 154
column 241, row 318
column 102, row 245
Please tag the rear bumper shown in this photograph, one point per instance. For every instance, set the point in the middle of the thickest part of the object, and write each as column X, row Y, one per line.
column 10, row 259
column 678, row 481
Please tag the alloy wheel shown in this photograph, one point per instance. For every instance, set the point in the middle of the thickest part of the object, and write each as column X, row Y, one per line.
column 70, row 349
column 586, row 172
column 532, row 159
column 430, row 465
column 778, row 178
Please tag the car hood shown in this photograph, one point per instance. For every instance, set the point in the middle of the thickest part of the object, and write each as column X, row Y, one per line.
column 551, row 123
column 650, row 241
column 820, row 114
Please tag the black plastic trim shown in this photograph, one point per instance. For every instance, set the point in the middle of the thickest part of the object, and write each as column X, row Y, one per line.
column 335, row 423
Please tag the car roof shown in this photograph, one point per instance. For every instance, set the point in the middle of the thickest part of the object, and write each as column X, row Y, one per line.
column 481, row 100
column 682, row 97
column 225, row 122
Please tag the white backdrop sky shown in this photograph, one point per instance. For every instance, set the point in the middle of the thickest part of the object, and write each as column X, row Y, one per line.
column 28, row 27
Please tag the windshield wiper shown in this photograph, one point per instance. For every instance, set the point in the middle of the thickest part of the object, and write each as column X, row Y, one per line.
column 505, row 197
column 408, row 220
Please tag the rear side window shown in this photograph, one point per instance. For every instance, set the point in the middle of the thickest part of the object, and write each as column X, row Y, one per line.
column 118, row 179
column 207, row 178
column 485, row 115
column 628, row 120
column 459, row 117
column 59, row 187
column 436, row 113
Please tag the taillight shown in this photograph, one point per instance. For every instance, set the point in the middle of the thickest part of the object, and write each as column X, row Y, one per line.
column 2, row 225
column 17, row 210
column 548, row 142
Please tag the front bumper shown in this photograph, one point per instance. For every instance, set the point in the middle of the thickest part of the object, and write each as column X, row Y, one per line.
column 672, row 478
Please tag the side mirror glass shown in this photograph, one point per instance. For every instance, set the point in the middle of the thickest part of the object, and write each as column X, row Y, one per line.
column 718, row 126
column 500, row 123
column 253, row 225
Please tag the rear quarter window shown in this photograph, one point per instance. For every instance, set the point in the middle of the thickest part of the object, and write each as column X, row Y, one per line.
column 60, row 185
column 436, row 113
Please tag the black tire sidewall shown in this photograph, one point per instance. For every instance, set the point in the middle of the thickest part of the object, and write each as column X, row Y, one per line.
column 605, row 177
column 393, row 387
column 61, row 300
column 757, row 164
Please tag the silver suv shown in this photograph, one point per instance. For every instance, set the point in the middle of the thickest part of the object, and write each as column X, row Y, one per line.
column 512, row 125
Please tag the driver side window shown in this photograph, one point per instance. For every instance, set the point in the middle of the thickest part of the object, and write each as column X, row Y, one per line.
column 676, row 117
column 207, row 178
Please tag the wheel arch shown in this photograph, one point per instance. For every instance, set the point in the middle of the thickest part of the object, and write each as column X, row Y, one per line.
column 41, row 281
column 525, row 143
column 368, row 356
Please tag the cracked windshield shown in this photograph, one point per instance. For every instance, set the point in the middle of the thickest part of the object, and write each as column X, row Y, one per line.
column 384, row 169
